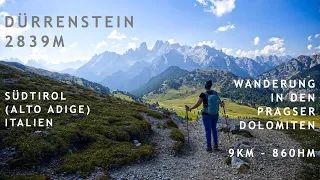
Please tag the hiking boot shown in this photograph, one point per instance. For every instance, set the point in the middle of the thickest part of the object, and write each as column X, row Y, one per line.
column 209, row 149
column 216, row 147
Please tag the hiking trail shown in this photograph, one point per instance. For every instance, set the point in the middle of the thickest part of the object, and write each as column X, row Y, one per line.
column 196, row 163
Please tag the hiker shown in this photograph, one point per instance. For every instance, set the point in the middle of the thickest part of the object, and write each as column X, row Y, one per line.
column 210, row 113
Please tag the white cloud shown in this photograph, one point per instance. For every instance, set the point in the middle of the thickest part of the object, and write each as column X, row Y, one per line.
column 208, row 43
column 101, row 44
column 116, row 45
column 171, row 41
column 82, row 58
column 3, row 14
column 225, row 28
column 249, row 54
column 317, row 35
column 116, row 35
column 226, row 51
column 218, row 7
column 134, row 38
column 318, row 48
column 202, row 2
column 12, row 31
column 275, row 48
column 74, row 44
column 132, row 45
column 38, row 54
column 310, row 38
column 309, row 47
column 256, row 40
column 276, row 40
column 150, row 45
column 63, row 50
column 2, row 2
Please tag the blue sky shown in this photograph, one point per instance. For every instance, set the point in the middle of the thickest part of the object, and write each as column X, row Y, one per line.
column 238, row 27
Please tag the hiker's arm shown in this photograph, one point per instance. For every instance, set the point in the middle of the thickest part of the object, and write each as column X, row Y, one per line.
column 197, row 104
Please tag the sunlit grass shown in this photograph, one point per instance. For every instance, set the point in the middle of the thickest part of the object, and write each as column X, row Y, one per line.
column 177, row 99
column 123, row 97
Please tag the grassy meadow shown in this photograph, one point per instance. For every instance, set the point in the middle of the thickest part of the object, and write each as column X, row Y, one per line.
column 177, row 99
column 78, row 143
column 123, row 97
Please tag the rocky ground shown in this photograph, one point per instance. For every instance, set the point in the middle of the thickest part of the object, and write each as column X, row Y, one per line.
column 196, row 163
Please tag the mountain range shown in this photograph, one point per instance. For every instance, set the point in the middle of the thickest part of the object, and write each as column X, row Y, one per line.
column 135, row 67
column 157, row 81
column 288, row 69
column 65, row 78
column 65, row 67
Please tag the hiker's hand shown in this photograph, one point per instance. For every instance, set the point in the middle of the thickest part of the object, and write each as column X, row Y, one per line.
column 222, row 103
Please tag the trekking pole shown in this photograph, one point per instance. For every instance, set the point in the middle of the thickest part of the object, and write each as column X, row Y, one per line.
column 187, row 118
column 225, row 116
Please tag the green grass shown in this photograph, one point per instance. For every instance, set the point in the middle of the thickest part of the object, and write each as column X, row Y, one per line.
column 177, row 135
column 101, row 139
column 123, row 97
column 178, row 147
column 309, row 140
column 161, row 125
column 171, row 123
column 177, row 99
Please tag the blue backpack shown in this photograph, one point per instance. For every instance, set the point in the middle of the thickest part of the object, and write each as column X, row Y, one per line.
column 212, row 107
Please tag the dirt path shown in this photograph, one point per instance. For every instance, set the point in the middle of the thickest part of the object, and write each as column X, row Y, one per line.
column 196, row 163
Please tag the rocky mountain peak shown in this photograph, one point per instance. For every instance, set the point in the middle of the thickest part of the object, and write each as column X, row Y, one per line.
column 157, row 45
column 143, row 46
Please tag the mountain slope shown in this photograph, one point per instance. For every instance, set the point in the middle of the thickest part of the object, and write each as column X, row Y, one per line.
column 77, row 143
column 35, row 64
column 309, row 74
column 251, row 66
column 288, row 69
column 193, row 83
column 156, row 82
column 312, row 73
column 59, row 77
column 269, row 62
column 12, row 60
column 70, row 71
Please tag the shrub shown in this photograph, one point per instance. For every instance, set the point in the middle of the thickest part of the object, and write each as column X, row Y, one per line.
column 243, row 133
column 161, row 125
column 244, row 168
column 178, row 147
column 156, row 114
column 171, row 123
column 177, row 135
column 228, row 160
column 100, row 139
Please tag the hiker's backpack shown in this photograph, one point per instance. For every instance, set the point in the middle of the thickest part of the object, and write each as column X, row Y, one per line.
column 212, row 107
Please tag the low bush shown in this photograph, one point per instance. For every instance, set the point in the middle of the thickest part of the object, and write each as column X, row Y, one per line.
column 177, row 135
column 171, row 123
